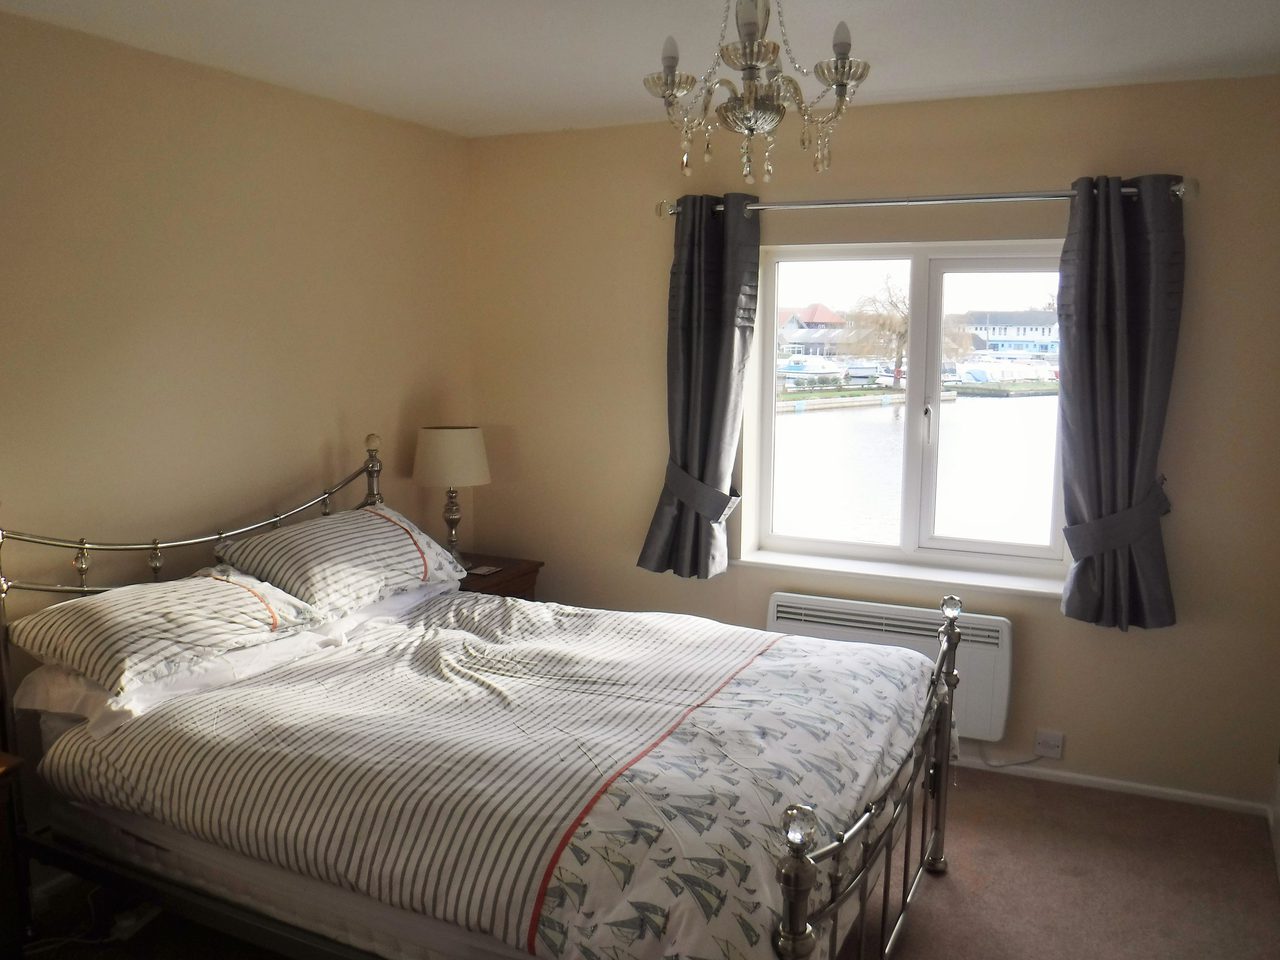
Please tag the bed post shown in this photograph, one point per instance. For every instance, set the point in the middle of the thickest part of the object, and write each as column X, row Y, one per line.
column 17, row 923
column 8, row 717
column 949, row 640
column 797, row 873
column 373, row 470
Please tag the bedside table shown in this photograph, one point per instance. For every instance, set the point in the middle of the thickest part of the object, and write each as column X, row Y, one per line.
column 516, row 578
column 13, row 880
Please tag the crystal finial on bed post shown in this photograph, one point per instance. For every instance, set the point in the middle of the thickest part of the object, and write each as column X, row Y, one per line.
column 154, row 560
column 81, row 562
column 794, row 937
column 801, row 826
column 951, row 607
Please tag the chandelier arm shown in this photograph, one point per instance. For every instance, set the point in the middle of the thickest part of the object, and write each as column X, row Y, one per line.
column 789, row 88
column 818, row 99
column 677, row 113
column 833, row 116
column 720, row 82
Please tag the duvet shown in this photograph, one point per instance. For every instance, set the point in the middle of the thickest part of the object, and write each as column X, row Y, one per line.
column 575, row 783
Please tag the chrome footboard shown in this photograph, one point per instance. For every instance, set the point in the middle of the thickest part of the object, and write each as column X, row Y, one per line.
column 867, row 853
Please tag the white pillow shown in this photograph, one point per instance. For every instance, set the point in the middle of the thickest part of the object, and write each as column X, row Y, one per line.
column 342, row 562
column 57, row 690
column 53, row 689
column 131, row 636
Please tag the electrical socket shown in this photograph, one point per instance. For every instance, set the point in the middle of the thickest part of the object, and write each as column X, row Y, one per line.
column 1049, row 744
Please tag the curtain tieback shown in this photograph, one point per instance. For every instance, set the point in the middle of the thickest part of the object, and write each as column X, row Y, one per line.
column 700, row 497
column 1120, row 529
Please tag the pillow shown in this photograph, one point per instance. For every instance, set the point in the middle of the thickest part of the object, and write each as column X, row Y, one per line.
column 134, row 635
column 342, row 562
column 59, row 692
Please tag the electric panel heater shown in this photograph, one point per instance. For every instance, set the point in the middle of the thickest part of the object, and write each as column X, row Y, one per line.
column 984, row 660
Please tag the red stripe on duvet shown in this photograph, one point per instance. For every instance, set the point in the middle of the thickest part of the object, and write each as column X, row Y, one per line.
column 531, row 942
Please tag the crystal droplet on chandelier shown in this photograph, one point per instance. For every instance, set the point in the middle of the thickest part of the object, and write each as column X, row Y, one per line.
column 684, row 158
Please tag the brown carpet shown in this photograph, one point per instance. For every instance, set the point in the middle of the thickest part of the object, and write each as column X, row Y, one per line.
column 1038, row 871
column 1047, row 871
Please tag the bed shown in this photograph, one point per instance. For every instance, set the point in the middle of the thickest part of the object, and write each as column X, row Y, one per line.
column 403, row 770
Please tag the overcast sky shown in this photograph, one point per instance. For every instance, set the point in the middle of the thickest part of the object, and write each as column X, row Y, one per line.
column 840, row 284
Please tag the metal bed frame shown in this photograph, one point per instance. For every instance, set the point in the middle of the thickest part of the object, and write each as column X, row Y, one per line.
column 856, row 860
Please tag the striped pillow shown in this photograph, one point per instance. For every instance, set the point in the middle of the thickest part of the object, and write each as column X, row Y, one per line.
column 130, row 636
column 345, row 561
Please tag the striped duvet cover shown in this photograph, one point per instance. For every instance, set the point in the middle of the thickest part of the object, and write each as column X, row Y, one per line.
column 575, row 783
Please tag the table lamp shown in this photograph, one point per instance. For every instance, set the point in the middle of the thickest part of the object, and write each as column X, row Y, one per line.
column 451, row 457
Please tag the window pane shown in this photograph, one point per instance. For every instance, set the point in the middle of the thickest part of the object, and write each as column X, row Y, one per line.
column 998, row 422
column 839, row 387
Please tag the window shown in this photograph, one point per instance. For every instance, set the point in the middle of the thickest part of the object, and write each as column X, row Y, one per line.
column 927, row 434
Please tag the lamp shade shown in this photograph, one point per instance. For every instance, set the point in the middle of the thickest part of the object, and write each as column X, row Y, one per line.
column 450, row 457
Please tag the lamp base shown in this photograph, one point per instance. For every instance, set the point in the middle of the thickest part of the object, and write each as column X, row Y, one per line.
column 452, row 517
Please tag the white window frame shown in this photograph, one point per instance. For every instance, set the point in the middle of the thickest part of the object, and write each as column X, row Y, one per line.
column 919, row 547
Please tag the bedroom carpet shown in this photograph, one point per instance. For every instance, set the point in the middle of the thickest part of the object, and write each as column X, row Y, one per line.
column 1039, row 871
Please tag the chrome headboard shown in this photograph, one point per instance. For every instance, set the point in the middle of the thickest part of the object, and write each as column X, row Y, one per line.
column 371, row 470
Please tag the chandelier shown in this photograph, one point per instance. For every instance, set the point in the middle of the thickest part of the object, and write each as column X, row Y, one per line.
column 756, row 110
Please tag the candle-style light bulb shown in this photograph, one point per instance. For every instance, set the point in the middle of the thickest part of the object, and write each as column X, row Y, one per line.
column 841, row 41
column 670, row 55
column 748, row 17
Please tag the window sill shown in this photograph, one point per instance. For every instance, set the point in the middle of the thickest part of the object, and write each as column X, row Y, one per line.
column 944, row 577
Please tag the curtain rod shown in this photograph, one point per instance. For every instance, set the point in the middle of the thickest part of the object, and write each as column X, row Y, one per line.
column 1181, row 190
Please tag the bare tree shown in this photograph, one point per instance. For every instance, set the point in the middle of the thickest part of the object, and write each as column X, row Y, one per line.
column 957, row 342
column 887, row 316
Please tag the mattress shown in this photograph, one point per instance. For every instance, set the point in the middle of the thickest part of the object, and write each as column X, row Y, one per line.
column 557, row 781
column 322, row 908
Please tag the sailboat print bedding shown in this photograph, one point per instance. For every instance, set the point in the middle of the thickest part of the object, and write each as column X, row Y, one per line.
column 575, row 783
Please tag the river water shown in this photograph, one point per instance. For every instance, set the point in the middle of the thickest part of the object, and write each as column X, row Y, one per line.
column 838, row 473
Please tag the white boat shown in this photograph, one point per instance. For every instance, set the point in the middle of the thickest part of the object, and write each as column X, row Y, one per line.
column 988, row 367
column 802, row 367
column 860, row 371
column 886, row 375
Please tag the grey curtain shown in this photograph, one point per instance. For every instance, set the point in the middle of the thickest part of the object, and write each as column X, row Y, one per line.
column 711, row 314
column 1119, row 306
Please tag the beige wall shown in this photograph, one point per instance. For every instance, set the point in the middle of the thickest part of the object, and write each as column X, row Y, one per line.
column 163, row 223
column 202, row 274
column 569, row 347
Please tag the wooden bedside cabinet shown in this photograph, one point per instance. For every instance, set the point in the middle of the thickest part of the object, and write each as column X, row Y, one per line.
column 516, row 578
column 13, row 881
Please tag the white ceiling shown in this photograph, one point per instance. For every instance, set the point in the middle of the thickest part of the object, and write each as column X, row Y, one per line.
column 478, row 67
